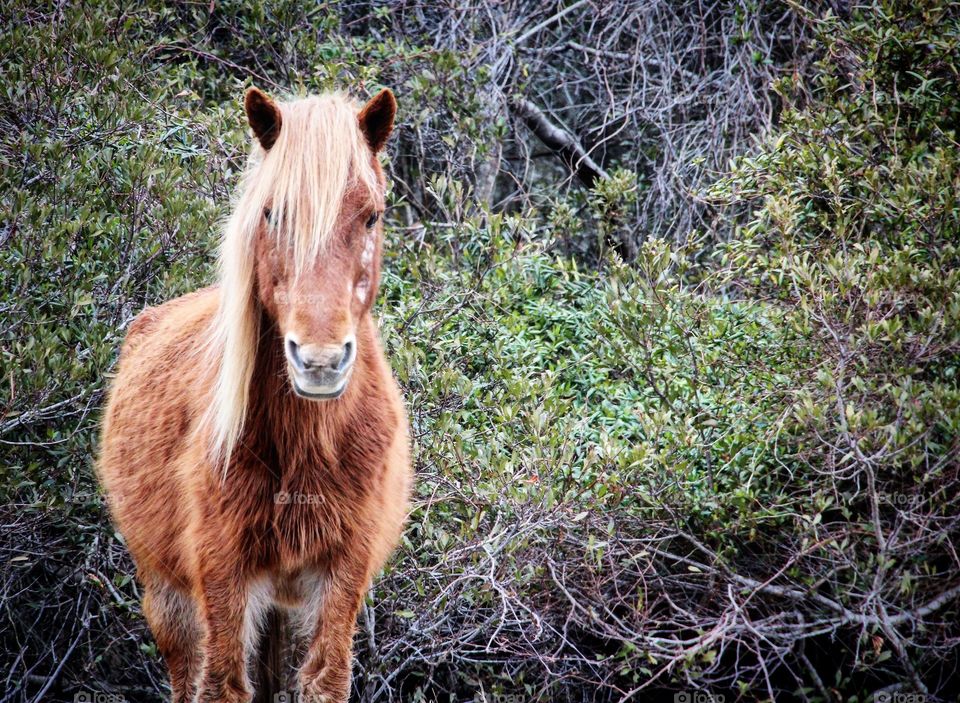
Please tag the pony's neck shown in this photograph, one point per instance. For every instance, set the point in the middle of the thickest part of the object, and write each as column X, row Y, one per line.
column 289, row 423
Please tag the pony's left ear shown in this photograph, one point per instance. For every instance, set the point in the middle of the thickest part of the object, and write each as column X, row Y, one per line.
column 376, row 119
column 263, row 115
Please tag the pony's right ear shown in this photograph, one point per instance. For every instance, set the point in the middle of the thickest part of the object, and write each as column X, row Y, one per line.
column 263, row 115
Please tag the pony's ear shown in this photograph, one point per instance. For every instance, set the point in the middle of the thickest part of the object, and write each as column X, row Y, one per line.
column 376, row 118
column 263, row 116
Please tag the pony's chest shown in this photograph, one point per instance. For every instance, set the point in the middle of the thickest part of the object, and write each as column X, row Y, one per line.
column 316, row 515
column 309, row 518
column 317, row 499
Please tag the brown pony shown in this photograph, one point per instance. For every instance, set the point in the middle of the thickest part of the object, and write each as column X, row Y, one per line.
column 255, row 447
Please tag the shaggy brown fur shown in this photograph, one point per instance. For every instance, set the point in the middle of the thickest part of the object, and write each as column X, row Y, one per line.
column 314, row 495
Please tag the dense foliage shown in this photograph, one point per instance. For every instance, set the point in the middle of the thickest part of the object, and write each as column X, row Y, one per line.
column 730, row 464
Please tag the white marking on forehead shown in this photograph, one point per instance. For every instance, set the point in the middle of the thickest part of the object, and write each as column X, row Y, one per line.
column 369, row 247
column 366, row 260
column 363, row 289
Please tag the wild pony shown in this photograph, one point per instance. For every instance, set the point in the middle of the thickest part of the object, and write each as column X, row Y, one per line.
column 255, row 446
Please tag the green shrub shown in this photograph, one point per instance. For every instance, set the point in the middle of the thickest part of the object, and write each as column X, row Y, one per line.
column 854, row 231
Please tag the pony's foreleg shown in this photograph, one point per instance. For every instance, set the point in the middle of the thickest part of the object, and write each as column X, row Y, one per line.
column 325, row 674
column 172, row 617
column 224, row 604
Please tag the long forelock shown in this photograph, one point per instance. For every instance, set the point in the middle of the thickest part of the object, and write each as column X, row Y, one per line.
column 319, row 154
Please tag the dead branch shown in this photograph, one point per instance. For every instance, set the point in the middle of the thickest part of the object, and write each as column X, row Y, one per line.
column 565, row 145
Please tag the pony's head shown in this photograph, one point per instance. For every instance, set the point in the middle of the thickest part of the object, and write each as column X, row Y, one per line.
column 302, row 249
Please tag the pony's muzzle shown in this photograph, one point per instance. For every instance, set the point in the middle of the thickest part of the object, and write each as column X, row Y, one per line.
column 320, row 371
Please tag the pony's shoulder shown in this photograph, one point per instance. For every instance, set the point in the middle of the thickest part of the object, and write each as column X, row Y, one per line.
column 142, row 323
column 184, row 313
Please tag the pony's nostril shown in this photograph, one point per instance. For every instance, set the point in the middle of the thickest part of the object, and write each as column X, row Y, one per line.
column 293, row 352
column 347, row 355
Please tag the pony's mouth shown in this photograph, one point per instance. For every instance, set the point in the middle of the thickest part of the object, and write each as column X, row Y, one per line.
column 330, row 390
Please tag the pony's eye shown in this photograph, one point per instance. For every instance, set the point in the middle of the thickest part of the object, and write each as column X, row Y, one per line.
column 373, row 220
column 266, row 215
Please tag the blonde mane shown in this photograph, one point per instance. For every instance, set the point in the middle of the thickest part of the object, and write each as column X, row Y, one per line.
column 319, row 152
